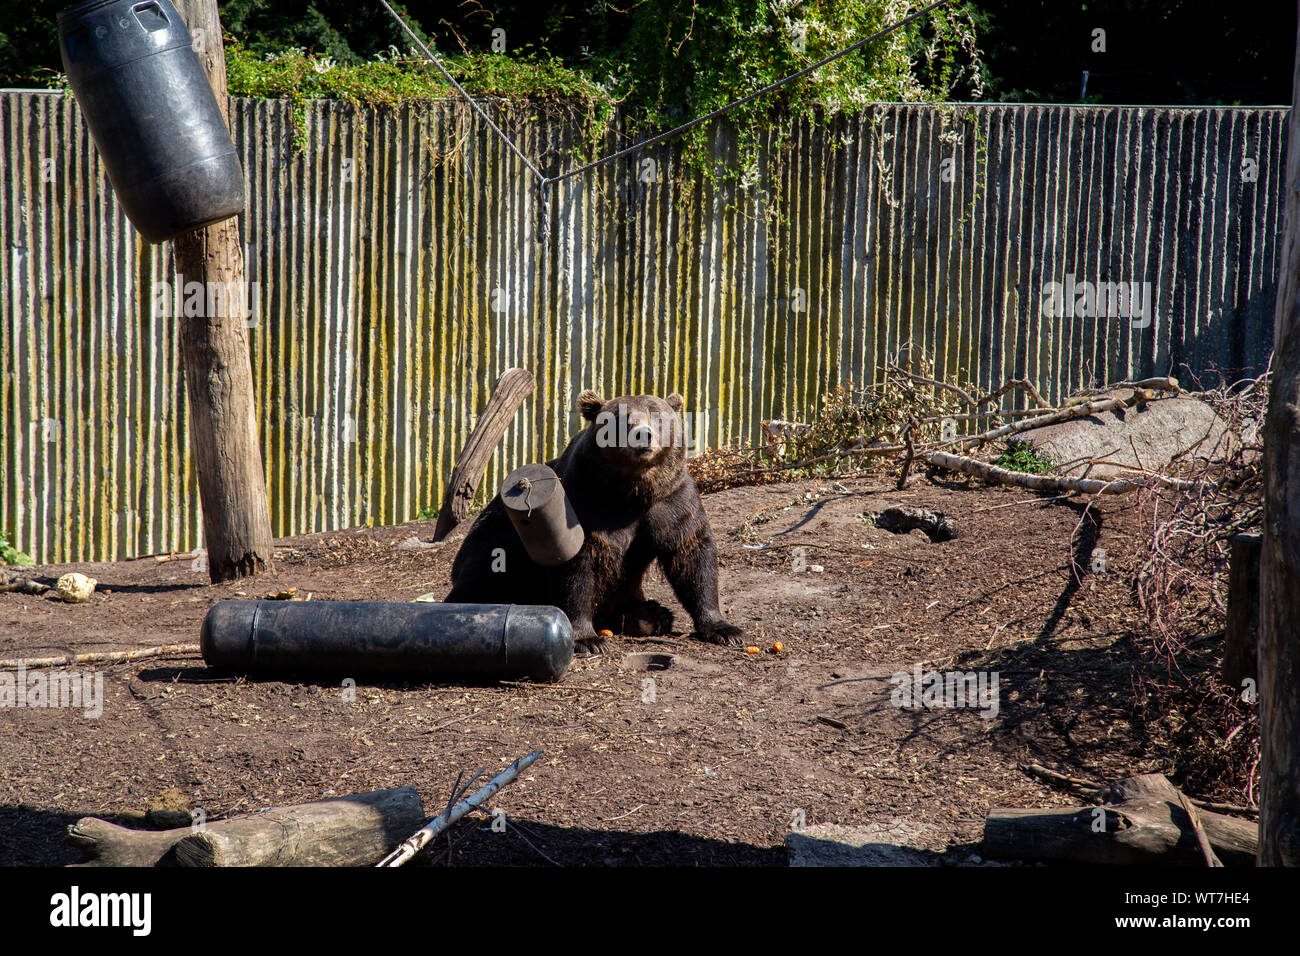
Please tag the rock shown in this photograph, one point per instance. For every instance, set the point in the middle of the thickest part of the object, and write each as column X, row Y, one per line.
column 415, row 544
column 829, row 844
column 170, row 810
column 75, row 588
column 1160, row 430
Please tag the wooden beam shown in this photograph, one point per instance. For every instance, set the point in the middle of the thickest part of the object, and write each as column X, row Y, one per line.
column 1240, row 645
column 1279, row 635
column 508, row 394
column 218, row 373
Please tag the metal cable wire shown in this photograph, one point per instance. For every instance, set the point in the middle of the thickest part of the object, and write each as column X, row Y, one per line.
column 459, row 89
column 659, row 138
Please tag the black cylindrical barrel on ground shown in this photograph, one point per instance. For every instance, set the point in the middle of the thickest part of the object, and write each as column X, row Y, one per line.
column 474, row 642
column 151, row 112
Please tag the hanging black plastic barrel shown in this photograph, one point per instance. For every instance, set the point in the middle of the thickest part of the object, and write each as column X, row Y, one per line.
column 151, row 112
column 473, row 642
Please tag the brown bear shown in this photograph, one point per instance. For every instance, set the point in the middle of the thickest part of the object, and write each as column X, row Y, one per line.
column 625, row 474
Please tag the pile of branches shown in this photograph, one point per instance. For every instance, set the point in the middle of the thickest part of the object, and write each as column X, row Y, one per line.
column 1182, row 589
column 1185, row 576
column 853, row 433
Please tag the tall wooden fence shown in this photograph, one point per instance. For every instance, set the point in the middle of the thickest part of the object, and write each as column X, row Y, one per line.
column 401, row 259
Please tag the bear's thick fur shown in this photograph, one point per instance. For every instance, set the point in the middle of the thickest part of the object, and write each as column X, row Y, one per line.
column 625, row 474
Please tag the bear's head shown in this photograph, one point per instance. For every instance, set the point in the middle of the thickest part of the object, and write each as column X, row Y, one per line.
column 637, row 434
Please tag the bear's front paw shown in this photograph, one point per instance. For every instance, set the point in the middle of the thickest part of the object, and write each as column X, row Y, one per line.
column 644, row 618
column 586, row 646
column 586, row 641
column 720, row 632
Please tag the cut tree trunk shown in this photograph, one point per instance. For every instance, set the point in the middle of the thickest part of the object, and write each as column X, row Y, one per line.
column 357, row 830
column 1279, row 634
column 218, row 374
column 1241, row 635
column 1143, row 821
column 508, row 394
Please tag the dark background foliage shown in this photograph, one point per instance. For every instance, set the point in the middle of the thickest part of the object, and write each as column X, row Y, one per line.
column 1157, row 51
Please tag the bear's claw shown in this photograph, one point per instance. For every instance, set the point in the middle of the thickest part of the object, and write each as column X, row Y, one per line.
column 587, row 646
column 723, row 633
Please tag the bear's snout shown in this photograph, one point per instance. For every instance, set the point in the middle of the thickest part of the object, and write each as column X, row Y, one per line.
column 641, row 438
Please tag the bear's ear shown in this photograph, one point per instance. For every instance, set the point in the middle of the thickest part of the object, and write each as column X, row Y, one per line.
column 675, row 402
column 590, row 404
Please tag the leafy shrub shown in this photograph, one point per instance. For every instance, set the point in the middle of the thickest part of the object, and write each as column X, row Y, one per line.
column 1021, row 456
column 11, row 555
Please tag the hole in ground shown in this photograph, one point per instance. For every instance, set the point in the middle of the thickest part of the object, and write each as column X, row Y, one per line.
column 647, row 661
column 934, row 524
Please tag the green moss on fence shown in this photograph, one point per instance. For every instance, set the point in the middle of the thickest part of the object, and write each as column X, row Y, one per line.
column 294, row 74
column 527, row 77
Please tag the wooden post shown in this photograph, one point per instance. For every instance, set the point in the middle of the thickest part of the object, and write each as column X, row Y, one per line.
column 1279, row 573
column 1242, row 631
column 218, row 373
column 509, row 393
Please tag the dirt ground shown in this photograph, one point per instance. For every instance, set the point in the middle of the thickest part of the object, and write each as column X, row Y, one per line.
column 715, row 770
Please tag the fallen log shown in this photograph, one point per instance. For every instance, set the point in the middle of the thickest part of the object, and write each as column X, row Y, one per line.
column 507, row 395
column 1080, row 410
column 355, row 830
column 1057, row 483
column 107, row 844
column 1142, row 821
